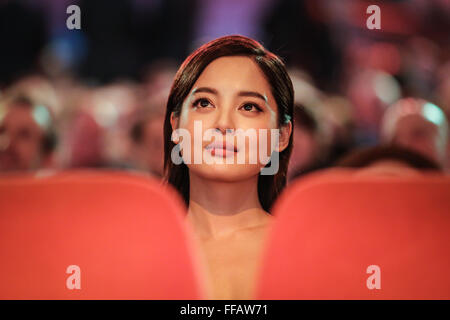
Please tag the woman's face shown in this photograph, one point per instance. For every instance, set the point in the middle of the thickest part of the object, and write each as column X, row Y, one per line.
column 231, row 95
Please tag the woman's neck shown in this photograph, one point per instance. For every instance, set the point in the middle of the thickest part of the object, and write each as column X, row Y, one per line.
column 218, row 208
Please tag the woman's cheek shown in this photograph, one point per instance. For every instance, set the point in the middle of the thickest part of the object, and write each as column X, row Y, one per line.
column 255, row 122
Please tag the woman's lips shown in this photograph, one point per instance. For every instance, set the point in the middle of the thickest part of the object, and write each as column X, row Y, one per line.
column 221, row 149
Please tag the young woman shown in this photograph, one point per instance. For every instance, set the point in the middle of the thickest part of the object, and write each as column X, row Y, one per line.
column 228, row 84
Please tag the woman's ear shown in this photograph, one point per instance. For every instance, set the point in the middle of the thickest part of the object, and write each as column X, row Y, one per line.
column 285, row 134
column 174, row 122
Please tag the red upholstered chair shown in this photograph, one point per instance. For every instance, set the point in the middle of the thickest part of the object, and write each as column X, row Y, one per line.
column 125, row 233
column 331, row 227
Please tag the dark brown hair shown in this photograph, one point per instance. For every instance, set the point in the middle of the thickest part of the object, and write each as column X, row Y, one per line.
column 269, row 186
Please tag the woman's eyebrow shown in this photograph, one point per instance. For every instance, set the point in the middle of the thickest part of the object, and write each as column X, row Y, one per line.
column 205, row 89
column 252, row 94
column 240, row 94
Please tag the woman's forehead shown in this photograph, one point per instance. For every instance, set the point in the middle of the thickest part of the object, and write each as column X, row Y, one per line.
column 233, row 74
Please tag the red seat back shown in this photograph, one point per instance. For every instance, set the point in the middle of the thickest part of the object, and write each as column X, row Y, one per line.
column 125, row 233
column 330, row 228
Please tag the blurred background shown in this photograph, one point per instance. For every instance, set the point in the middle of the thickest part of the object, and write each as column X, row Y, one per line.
column 95, row 97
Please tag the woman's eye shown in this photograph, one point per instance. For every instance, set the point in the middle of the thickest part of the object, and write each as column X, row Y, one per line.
column 251, row 107
column 202, row 103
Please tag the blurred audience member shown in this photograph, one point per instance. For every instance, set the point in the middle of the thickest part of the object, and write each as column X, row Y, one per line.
column 113, row 107
column 96, row 128
column 39, row 90
column 27, row 136
column 442, row 92
column 306, row 151
column 370, row 92
column 148, row 148
column 388, row 160
column 86, row 140
column 306, row 92
column 337, row 116
column 418, row 125
column 420, row 63
column 442, row 96
column 83, row 136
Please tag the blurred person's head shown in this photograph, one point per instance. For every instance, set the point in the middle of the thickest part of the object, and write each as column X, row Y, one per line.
column 420, row 63
column 388, row 160
column 113, row 107
column 375, row 55
column 147, row 150
column 305, row 91
column 418, row 125
column 306, row 141
column 82, row 134
column 228, row 84
column 98, row 124
column 370, row 92
column 39, row 90
column 442, row 92
column 27, row 135
column 442, row 96
column 148, row 143
column 86, row 141
column 338, row 125
column 322, row 133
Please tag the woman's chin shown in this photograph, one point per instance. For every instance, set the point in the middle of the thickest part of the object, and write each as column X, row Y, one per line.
column 226, row 172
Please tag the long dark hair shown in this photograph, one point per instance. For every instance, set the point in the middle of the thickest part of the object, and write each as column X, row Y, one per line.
column 269, row 186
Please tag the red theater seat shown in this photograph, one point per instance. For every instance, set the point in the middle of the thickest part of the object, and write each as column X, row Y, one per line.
column 125, row 233
column 332, row 227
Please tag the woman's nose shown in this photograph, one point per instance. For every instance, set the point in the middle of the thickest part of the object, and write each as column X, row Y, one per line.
column 224, row 122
